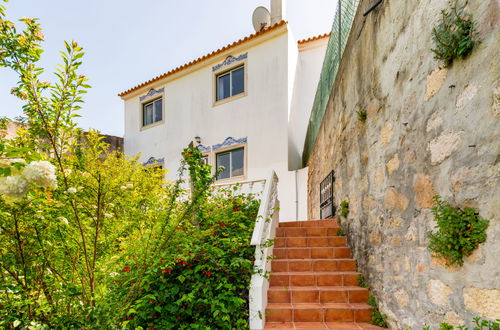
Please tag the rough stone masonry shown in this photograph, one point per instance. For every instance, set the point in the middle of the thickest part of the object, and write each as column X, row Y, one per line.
column 430, row 130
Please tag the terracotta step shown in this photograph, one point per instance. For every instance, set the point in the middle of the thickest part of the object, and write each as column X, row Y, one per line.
column 307, row 231
column 316, row 294
column 289, row 279
column 312, row 253
column 316, row 312
column 310, row 223
column 325, row 241
column 321, row 325
column 315, row 265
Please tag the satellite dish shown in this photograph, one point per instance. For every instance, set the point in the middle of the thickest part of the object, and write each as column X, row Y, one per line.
column 261, row 18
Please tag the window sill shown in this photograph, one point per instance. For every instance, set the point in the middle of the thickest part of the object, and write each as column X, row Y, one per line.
column 229, row 99
column 152, row 125
column 234, row 179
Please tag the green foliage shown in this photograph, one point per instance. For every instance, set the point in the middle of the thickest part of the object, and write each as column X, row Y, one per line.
column 362, row 282
column 110, row 243
column 200, row 280
column 362, row 115
column 378, row 318
column 344, row 208
column 459, row 232
column 479, row 324
column 445, row 326
column 340, row 232
column 454, row 36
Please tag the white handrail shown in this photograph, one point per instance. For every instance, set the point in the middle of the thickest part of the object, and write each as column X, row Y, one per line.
column 264, row 231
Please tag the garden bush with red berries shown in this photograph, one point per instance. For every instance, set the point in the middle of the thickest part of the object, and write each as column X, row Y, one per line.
column 201, row 279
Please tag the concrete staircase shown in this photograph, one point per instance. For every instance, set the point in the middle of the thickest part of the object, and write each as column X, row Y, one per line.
column 314, row 283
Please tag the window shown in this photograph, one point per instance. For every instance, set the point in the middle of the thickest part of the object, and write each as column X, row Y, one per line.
column 233, row 161
column 230, row 83
column 152, row 112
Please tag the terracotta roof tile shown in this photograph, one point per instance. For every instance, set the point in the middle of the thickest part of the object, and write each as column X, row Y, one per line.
column 321, row 36
column 207, row 56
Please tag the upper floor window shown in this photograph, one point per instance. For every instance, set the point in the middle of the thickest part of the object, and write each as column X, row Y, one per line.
column 233, row 163
column 230, row 83
column 152, row 112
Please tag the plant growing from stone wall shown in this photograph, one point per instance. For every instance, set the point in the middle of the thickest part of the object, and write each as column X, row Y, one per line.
column 378, row 318
column 344, row 208
column 362, row 115
column 459, row 231
column 454, row 36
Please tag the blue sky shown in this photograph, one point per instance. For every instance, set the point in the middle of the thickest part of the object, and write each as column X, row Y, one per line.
column 127, row 42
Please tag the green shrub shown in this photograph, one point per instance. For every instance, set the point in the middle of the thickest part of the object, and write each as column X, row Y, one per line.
column 200, row 280
column 454, row 36
column 459, row 232
column 344, row 208
column 340, row 232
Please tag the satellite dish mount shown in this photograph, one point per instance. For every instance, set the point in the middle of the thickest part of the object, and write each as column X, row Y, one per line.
column 261, row 18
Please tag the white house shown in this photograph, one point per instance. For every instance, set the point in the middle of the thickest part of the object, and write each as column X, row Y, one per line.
column 247, row 105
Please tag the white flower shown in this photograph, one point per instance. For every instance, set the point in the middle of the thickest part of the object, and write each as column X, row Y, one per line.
column 68, row 172
column 13, row 186
column 123, row 187
column 41, row 173
column 113, row 274
column 71, row 190
column 130, row 186
column 86, row 174
column 63, row 219
column 107, row 215
column 111, row 205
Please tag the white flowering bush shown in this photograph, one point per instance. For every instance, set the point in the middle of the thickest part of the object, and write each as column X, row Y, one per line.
column 14, row 186
column 41, row 173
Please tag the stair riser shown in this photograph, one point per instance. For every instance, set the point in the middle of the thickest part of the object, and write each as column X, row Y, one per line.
column 318, row 296
column 284, row 280
column 278, row 266
column 312, row 253
column 313, row 223
column 307, row 232
column 335, row 241
column 318, row 315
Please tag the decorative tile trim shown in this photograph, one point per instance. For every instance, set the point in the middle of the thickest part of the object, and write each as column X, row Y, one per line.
column 230, row 60
column 151, row 93
column 228, row 142
column 153, row 160
column 203, row 148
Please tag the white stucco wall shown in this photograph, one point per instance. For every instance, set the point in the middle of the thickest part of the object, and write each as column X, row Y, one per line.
column 310, row 61
column 261, row 116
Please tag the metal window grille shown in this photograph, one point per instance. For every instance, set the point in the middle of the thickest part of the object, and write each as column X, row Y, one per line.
column 327, row 210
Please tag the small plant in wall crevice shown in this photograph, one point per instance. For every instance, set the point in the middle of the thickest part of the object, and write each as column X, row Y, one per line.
column 454, row 36
column 459, row 232
column 344, row 208
column 362, row 115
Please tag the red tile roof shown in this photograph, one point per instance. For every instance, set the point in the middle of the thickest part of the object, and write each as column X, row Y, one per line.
column 321, row 36
column 207, row 56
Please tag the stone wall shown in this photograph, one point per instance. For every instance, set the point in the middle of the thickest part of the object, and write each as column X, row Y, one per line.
column 430, row 130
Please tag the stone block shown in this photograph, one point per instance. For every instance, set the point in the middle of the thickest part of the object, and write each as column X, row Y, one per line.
column 443, row 146
column 438, row 292
column 434, row 82
column 485, row 302
column 424, row 191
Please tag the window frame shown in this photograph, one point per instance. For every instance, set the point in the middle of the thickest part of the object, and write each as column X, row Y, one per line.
column 144, row 103
column 229, row 149
column 225, row 70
